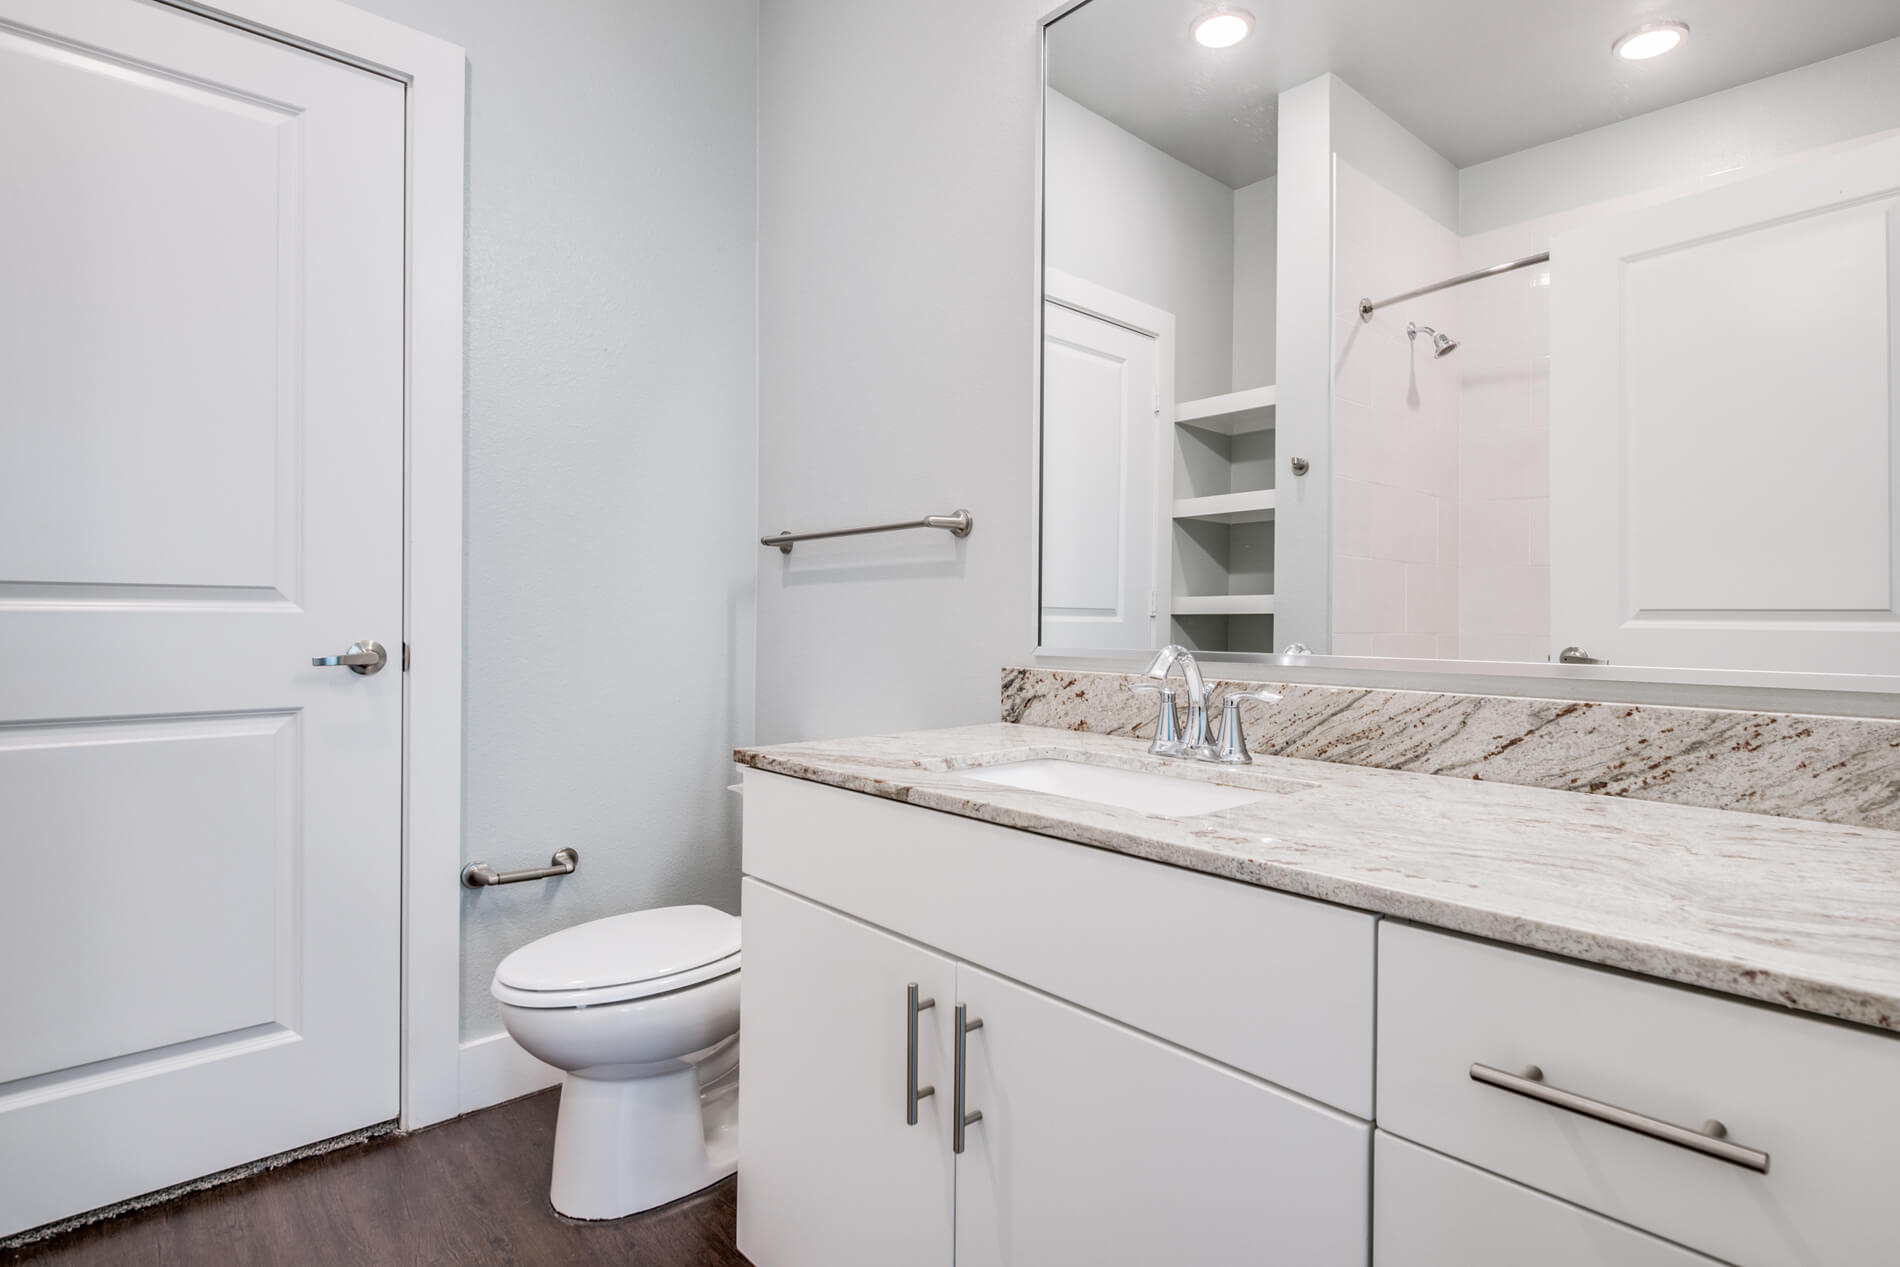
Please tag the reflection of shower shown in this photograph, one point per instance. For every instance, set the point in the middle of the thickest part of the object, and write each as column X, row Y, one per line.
column 1442, row 343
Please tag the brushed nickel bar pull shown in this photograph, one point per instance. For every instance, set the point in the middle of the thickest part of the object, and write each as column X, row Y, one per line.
column 1367, row 307
column 1711, row 1141
column 959, row 1120
column 913, row 1092
column 957, row 523
column 479, row 875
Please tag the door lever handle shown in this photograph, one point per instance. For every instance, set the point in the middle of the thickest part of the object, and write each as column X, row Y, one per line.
column 365, row 657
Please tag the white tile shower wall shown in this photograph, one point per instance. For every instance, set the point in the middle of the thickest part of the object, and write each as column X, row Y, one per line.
column 1503, row 327
column 1395, row 433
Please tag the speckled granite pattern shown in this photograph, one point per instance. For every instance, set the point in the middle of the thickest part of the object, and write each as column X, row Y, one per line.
column 1831, row 769
column 1802, row 914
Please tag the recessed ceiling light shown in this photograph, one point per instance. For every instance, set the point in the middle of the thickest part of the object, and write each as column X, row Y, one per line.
column 1650, row 41
column 1224, row 28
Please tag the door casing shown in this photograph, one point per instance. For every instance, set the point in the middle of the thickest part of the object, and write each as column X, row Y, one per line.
column 433, row 73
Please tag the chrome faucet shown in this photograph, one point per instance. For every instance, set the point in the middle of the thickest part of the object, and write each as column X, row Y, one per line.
column 1191, row 740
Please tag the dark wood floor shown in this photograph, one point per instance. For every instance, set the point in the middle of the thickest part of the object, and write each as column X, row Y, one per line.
column 470, row 1191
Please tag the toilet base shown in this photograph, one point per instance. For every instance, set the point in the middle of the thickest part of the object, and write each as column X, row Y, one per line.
column 626, row 1145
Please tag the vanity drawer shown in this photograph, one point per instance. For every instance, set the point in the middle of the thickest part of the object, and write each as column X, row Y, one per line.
column 1431, row 1211
column 1821, row 1099
column 1276, row 986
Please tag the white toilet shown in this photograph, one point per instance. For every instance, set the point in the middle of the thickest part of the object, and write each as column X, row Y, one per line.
column 642, row 1012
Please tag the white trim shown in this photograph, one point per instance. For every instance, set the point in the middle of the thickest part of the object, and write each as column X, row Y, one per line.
column 495, row 1070
column 434, row 75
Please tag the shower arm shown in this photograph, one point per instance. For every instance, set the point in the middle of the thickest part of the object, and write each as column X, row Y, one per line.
column 1367, row 307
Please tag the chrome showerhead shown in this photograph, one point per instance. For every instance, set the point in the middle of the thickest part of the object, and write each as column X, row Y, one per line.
column 1442, row 344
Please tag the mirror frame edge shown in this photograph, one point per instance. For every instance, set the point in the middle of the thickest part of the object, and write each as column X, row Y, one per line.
column 1861, row 695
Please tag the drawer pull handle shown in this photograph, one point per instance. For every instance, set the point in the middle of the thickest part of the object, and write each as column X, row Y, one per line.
column 1711, row 1141
column 913, row 1092
column 959, row 1120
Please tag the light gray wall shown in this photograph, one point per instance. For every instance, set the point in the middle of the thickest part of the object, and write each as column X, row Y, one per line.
column 897, row 298
column 610, row 453
column 1840, row 99
column 1120, row 213
column 1256, row 243
column 1376, row 144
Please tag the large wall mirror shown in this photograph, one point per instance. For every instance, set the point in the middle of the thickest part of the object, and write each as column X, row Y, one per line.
column 1479, row 332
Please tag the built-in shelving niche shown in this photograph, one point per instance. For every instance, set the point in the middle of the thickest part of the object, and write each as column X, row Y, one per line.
column 1223, row 515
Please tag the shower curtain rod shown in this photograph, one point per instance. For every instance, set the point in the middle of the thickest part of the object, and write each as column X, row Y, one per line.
column 1367, row 307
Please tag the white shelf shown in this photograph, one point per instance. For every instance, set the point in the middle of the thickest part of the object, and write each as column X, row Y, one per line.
column 1232, row 414
column 1228, row 508
column 1222, row 604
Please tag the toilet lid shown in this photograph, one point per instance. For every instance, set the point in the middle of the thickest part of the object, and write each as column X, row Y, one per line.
column 622, row 950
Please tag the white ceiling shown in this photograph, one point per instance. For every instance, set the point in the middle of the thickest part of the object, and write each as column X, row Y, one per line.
column 1474, row 79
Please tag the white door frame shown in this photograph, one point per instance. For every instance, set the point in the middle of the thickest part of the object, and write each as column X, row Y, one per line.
column 1083, row 296
column 434, row 74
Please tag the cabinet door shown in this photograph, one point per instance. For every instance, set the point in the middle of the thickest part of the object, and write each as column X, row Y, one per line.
column 1103, row 1146
column 832, row 1175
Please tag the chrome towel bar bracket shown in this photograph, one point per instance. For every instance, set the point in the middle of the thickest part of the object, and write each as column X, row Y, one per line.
column 479, row 875
column 957, row 523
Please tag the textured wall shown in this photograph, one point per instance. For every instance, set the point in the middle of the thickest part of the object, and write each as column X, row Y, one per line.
column 897, row 296
column 610, row 453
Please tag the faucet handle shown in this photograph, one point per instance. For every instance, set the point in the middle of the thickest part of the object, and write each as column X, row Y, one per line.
column 1167, row 740
column 1233, row 740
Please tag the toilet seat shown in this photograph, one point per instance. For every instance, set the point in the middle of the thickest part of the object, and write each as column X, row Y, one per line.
column 622, row 957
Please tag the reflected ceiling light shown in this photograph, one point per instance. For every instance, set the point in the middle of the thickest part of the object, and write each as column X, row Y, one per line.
column 1224, row 28
column 1650, row 41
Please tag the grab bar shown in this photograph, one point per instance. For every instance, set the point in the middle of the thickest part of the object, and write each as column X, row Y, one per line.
column 957, row 523
column 479, row 875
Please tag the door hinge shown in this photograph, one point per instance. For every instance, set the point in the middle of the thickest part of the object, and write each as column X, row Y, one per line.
column 405, row 657
column 1153, row 609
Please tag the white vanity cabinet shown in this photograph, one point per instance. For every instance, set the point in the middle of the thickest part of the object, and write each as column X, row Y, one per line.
column 1176, row 1068
column 1110, row 1133
column 1817, row 1102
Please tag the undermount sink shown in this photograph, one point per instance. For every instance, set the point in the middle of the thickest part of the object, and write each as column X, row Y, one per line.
column 1147, row 793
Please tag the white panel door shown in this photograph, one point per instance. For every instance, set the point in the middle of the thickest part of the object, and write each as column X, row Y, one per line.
column 834, row 1174
column 1725, row 425
column 1103, row 1146
column 1101, row 493
column 201, row 447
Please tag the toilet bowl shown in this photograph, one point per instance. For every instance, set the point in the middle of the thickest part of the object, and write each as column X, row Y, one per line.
column 641, row 1013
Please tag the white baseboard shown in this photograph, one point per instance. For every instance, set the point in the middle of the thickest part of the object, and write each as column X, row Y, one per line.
column 495, row 1069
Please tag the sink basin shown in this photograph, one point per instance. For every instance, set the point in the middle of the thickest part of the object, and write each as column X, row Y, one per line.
column 1138, row 790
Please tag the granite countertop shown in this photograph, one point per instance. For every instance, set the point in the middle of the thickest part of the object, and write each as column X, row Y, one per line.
column 1797, row 913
